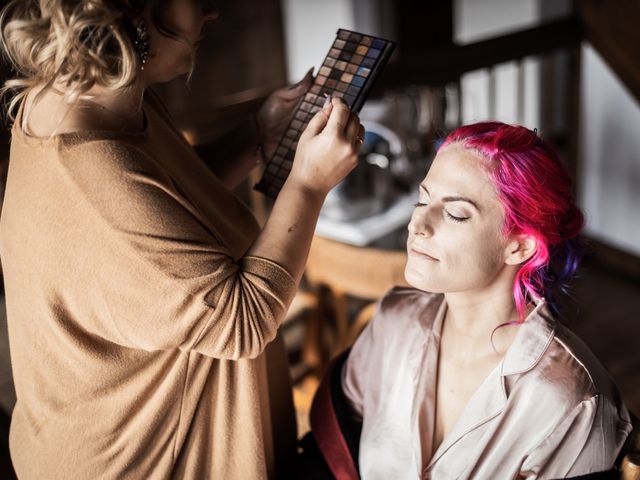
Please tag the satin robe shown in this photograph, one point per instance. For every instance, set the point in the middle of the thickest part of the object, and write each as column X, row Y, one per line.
column 547, row 410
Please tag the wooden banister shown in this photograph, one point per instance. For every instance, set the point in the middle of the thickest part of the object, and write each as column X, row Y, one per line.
column 612, row 28
column 439, row 65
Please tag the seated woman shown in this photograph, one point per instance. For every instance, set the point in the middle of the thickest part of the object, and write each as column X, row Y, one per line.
column 469, row 374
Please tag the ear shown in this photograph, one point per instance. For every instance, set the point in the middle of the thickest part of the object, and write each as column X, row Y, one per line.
column 519, row 249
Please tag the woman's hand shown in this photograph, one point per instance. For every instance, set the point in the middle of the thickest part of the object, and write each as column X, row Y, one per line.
column 328, row 148
column 274, row 115
column 327, row 151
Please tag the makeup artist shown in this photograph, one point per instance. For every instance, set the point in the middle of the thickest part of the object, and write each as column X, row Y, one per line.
column 143, row 300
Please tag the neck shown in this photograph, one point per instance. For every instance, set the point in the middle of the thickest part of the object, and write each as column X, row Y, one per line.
column 472, row 316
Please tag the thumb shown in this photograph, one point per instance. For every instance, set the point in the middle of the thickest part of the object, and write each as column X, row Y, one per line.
column 318, row 122
column 298, row 89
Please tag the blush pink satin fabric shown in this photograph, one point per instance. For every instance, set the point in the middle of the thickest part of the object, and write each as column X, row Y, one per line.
column 548, row 410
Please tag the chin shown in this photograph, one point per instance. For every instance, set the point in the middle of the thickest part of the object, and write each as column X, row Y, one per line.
column 171, row 70
column 416, row 277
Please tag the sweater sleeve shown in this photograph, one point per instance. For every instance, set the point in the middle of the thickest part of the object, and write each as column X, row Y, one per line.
column 586, row 440
column 157, row 275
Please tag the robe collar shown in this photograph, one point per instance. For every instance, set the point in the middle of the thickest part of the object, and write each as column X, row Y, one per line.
column 532, row 340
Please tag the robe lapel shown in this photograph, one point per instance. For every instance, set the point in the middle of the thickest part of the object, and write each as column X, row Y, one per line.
column 427, row 385
column 486, row 403
column 489, row 401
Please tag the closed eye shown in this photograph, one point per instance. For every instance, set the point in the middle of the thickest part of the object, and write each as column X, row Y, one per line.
column 419, row 204
column 457, row 219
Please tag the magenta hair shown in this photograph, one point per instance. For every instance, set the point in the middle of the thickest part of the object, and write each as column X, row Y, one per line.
column 535, row 190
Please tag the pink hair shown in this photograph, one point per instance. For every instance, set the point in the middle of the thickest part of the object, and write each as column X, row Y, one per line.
column 535, row 190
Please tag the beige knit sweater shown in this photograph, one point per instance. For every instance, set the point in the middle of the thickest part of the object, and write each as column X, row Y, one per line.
column 138, row 327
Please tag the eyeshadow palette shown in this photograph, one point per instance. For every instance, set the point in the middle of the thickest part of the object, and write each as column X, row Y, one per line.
column 348, row 72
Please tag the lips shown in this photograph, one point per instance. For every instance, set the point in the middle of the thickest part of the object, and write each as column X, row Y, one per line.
column 424, row 254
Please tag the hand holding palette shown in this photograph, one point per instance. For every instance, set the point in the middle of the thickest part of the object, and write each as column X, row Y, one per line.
column 348, row 72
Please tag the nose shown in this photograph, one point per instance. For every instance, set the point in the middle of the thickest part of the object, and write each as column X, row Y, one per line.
column 420, row 224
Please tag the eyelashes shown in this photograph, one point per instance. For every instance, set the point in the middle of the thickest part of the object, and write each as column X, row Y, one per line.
column 457, row 219
column 448, row 215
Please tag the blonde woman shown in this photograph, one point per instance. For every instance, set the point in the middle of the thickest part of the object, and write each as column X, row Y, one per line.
column 142, row 296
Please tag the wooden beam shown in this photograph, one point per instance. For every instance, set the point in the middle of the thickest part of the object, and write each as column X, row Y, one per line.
column 612, row 28
column 440, row 65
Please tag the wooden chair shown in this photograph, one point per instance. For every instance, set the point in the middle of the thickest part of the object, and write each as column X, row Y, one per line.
column 630, row 463
column 337, row 273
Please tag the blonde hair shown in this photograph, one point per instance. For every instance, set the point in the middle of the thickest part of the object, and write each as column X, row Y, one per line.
column 77, row 44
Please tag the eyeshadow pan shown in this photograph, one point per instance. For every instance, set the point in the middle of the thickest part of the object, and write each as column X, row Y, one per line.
column 348, row 72
column 368, row 62
column 350, row 46
column 346, row 77
column 335, row 73
column 363, row 71
column 362, row 50
column 373, row 53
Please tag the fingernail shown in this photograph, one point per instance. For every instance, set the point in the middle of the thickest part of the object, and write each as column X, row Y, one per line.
column 296, row 85
column 327, row 101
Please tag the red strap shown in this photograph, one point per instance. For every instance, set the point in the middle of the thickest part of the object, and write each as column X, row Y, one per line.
column 327, row 433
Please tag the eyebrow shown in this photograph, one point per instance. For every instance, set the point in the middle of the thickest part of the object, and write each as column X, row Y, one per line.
column 454, row 198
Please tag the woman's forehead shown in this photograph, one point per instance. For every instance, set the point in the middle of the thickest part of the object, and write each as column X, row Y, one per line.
column 461, row 169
